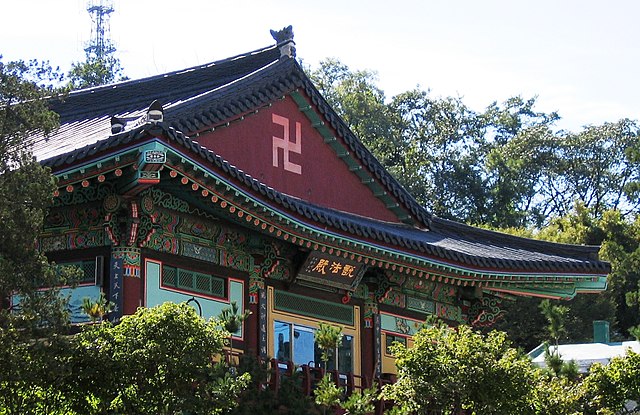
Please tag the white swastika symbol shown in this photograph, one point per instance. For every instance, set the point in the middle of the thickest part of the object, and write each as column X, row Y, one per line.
column 286, row 145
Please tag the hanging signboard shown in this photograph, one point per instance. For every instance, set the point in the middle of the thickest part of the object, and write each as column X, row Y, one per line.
column 333, row 271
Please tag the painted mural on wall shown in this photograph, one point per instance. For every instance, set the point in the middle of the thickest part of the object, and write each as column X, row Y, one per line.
column 85, row 193
column 418, row 294
column 399, row 325
column 486, row 311
column 73, row 227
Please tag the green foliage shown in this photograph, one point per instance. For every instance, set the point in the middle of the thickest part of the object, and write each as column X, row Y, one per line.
column 553, row 395
column 31, row 319
column 95, row 71
column 608, row 388
column 329, row 395
column 556, row 316
column 557, row 367
column 159, row 360
column 96, row 310
column 458, row 369
column 232, row 319
column 259, row 398
column 360, row 403
column 620, row 240
column 328, row 338
column 454, row 370
column 31, row 371
column 504, row 167
column 26, row 189
column 327, row 392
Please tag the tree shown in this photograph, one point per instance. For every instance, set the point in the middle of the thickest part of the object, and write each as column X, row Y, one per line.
column 553, row 395
column 232, row 322
column 609, row 388
column 475, row 167
column 27, row 190
column 556, row 316
column 455, row 369
column 31, row 319
column 158, row 360
column 619, row 237
column 327, row 393
column 95, row 71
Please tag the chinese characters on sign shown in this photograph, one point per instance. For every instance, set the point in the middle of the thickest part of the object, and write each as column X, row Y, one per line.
column 262, row 317
column 116, row 291
column 286, row 145
column 324, row 266
column 334, row 271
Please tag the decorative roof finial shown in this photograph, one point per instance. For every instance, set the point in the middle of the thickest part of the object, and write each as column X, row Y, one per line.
column 284, row 39
column 155, row 113
column 117, row 125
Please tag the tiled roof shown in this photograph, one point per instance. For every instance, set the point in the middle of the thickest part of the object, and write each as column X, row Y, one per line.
column 195, row 98
column 446, row 240
column 85, row 114
column 207, row 95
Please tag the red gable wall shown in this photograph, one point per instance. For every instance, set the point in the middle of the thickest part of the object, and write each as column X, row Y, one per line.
column 294, row 160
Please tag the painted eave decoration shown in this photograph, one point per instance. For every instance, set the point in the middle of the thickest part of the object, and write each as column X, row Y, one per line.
column 115, row 134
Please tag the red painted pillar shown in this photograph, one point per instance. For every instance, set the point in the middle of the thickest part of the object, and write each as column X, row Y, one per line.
column 124, row 280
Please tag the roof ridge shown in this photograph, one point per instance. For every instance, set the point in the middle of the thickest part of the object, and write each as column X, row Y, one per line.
column 118, row 96
column 90, row 90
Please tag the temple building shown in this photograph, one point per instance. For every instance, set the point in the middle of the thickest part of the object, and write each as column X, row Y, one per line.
column 235, row 181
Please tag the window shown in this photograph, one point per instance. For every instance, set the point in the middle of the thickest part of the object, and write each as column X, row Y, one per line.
column 87, row 271
column 393, row 339
column 296, row 343
column 192, row 281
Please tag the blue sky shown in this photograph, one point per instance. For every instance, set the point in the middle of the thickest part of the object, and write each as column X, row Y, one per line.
column 581, row 58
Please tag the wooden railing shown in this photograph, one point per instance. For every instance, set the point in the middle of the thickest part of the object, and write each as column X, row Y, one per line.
column 309, row 377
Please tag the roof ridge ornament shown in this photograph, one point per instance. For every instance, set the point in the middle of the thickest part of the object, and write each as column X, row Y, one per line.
column 155, row 113
column 284, row 40
column 117, row 125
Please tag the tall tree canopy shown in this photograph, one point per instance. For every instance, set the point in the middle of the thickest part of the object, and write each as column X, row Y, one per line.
column 26, row 191
column 96, row 71
column 506, row 166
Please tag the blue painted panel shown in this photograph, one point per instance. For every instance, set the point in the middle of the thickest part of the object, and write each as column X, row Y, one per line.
column 76, row 295
column 210, row 308
column 75, row 301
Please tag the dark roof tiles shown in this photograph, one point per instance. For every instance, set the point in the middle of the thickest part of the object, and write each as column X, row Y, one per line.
column 227, row 89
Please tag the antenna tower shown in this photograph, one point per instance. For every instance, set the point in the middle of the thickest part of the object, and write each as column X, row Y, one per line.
column 100, row 44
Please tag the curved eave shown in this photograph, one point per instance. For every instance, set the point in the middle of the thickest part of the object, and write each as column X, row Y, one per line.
column 564, row 293
column 277, row 215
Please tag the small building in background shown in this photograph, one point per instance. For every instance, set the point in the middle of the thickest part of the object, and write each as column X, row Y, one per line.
column 601, row 350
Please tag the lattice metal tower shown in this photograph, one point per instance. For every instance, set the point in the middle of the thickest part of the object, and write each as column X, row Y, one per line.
column 100, row 44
